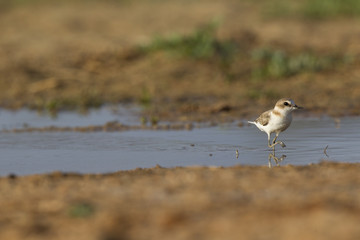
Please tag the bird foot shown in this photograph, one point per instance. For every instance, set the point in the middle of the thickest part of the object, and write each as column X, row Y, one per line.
column 274, row 144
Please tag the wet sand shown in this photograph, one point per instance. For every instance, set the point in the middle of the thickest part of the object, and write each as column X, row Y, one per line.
column 320, row 201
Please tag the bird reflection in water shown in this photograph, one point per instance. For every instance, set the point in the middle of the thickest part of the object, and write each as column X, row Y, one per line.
column 277, row 160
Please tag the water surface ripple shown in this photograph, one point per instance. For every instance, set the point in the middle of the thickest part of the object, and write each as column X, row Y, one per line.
column 100, row 152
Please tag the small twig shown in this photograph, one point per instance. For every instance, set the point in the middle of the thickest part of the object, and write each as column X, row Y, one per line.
column 325, row 150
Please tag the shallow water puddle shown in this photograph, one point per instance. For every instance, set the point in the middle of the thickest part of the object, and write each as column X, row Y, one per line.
column 100, row 152
column 27, row 118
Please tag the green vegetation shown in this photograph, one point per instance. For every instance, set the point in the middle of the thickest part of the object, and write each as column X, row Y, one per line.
column 237, row 60
column 313, row 9
column 202, row 44
column 255, row 93
column 277, row 63
column 81, row 210
column 83, row 102
column 145, row 98
column 14, row 3
column 154, row 120
column 330, row 8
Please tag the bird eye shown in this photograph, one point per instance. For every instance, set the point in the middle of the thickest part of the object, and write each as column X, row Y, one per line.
column 286, row 103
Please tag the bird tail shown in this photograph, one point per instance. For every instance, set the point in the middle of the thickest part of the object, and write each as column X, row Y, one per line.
column 252, row 122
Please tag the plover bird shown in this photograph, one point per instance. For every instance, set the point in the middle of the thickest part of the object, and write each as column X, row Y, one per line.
column 276, row 120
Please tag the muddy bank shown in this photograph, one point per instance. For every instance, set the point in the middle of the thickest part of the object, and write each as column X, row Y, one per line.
column 108, row 127
column 84, row 54
column 319, row 201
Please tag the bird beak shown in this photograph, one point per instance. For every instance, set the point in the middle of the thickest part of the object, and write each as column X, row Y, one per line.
column 297, row 107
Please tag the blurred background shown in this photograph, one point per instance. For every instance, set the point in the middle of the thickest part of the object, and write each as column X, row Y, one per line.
column 181, row 59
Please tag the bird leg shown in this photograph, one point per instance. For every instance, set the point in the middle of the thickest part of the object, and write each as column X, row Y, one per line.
column 276, row 159
column 274, row 142
column 271, row 145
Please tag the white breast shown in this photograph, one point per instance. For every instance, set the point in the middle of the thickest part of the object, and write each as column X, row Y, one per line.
column 279, row 123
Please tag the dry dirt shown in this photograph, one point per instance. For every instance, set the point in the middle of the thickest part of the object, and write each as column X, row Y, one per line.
column 81, row 54
column 320, row 201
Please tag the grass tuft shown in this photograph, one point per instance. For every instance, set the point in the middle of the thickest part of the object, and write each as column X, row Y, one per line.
column 320, row 9
column 202, row 44
column 270, row 63
column 313, row 9
column 81, row 210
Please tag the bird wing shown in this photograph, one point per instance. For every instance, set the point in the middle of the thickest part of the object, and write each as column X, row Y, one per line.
column 264, row 118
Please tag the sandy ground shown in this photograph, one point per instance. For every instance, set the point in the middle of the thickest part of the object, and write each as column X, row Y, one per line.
column 320, row 201
column 83, row 54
